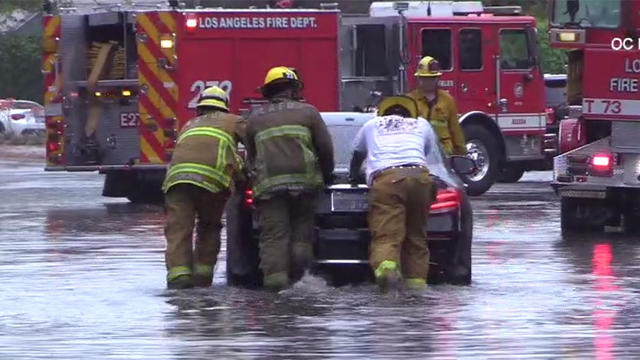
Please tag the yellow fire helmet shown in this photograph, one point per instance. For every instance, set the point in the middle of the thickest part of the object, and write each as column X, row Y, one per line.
column 282, row 74
column 401, row 103
column 428, row 67
column 214, row 97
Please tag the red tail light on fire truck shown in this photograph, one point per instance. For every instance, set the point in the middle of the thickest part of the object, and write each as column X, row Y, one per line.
column 601, row 165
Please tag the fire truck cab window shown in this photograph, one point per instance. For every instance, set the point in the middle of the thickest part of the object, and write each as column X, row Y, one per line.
column 437, row 43
column 587, row 13
column 470, row 51
column 371, row 51
column 514, row 50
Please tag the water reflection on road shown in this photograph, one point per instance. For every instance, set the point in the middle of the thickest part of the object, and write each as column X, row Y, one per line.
column 83, row 277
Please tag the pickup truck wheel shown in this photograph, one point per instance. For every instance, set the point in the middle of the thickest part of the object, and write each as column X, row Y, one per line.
column 510, row 175
column 483, row 149
column 632, row 223
column 579, row 215
column 243, row 257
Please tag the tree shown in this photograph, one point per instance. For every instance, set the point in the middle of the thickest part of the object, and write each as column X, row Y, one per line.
column 553, row 60
column 20, row 62
column 29, row 5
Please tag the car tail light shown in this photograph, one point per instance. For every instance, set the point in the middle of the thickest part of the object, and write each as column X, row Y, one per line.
column 17, row 116
column 248, row 198
column 601, row 165
column 447, row 200
column 551, row 116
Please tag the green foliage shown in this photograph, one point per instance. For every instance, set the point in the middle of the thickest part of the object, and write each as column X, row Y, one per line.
column 10, row 5
column 553, row 60
column 20, row 63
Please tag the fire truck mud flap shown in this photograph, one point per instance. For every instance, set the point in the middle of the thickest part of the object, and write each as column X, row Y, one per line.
column 138, row 186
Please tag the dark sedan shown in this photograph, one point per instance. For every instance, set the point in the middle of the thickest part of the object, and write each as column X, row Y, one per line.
column 342, row 237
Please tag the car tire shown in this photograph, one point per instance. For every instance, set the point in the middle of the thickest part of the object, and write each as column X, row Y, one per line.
column 510, row 175
column 243, row 256
column 2, row 129
column 460, row 270
column 483, row 146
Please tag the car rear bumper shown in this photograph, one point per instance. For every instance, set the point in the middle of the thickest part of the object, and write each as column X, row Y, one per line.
column 343, row 246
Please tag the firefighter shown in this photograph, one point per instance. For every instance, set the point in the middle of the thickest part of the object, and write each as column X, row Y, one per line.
column 395, row 145
column 291, row 155
column 438, row 107
column 200, row 177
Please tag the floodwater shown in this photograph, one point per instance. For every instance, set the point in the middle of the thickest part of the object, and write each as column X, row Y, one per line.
column 82, row 277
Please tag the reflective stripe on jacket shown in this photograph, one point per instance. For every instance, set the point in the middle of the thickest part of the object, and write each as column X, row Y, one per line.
column 205, row 153
column 289, row 148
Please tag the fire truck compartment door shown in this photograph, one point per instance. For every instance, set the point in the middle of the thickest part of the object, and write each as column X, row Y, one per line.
column 477, row 73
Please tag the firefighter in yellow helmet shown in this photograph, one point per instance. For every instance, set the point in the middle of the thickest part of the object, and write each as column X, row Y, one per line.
column 438, row 107
column 291, row 156
column 199, row 179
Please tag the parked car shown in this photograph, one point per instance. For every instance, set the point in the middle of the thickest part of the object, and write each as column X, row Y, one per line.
column 556, row 100
column 21, row 117
column 341, row 243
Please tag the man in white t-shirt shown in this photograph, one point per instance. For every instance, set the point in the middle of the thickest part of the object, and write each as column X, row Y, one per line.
column 395, row 145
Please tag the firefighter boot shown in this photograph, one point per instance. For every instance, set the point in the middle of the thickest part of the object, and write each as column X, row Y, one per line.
column 388, row 276
column 202, row 275
column 179, row 277
column 415, row 284
column 276, row 281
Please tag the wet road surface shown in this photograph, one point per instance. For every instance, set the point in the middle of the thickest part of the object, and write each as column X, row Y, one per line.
column 82, row 277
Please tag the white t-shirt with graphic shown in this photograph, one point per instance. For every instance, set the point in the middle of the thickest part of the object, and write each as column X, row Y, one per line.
column 393, row 140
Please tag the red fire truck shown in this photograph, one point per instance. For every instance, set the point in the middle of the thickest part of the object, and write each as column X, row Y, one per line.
column 597, row 174
column 121, row 81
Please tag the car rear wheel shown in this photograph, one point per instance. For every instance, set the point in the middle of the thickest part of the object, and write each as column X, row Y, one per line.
column 483, row 149
column 459, row 271
column 243, row 257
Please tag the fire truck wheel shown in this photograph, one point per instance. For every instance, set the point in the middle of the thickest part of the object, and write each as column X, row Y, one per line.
column 483, row 149
column 510, row 175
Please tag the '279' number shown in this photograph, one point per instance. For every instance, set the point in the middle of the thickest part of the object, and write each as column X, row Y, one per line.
column 199, row 85
column 610, row 106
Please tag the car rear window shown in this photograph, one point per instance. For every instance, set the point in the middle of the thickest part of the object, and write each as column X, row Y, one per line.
column 342, row 136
